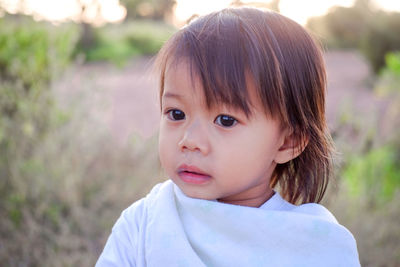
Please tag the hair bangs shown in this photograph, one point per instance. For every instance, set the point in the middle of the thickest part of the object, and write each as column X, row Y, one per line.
column 225, row 62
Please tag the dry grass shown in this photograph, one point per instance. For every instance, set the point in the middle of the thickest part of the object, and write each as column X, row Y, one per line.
column 70, row 192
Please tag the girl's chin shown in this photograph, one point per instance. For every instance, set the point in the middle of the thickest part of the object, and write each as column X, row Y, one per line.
column 193, row 193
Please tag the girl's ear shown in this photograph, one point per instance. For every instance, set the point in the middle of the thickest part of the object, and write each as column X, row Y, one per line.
column 292, row 146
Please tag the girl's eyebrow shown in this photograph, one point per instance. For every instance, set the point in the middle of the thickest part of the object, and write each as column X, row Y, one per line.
column 171, row 95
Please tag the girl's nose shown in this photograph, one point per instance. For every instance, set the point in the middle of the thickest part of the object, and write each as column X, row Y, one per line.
column 195, row 138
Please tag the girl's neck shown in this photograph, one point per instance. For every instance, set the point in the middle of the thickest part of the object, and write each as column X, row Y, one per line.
column 255, row 201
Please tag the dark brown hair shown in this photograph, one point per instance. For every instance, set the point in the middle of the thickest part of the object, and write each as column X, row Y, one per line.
column 227, row 47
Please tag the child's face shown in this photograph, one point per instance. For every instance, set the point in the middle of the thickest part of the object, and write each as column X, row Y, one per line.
column 216, row 153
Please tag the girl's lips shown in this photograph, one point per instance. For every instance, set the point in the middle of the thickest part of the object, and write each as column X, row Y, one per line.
column 193, row 175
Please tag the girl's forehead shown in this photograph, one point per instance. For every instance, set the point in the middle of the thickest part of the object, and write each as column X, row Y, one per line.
column 180, row 82
column 180, row 73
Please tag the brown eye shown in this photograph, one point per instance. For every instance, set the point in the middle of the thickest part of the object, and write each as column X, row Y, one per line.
column 176, row 115
column 225, row 121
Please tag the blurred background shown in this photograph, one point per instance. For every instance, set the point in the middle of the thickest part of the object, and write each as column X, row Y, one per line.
column 79, row 118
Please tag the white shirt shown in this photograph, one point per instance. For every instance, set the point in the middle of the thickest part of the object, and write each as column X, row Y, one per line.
column 167, row 228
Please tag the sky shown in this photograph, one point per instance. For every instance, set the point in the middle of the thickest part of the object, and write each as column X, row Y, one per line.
column 60, row 10
column 294, row 9
column 298, row 10
column 113, row 11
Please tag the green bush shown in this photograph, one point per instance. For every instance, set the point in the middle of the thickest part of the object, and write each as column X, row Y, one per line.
column 375, row 174
column 115, row 52
column 382, row 36
column 118, row 43
column 32, row 55
column 389, row 79
column 374, row 32
column 150, row 9
column 341, row 27
column 63, row 181
column 366, row 200
column 393, row 63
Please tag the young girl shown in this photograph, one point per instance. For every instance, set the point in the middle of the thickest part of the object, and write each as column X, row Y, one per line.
column 243, row 97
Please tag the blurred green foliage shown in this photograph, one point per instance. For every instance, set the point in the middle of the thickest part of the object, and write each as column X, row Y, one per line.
column 374, row 171
column 381, row 37
column 118, row 43
column 369, row 178
column 61, row 186
column 32, row 56
column 393, row 63
column 388, row 86
column 375, row 174
column 341, row 27
column 389, row 81
column 363, row 26
column 148, row 9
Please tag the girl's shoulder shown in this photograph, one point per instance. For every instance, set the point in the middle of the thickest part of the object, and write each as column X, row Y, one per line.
column 315, row 209
column 311, row 209
column 124, row 246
